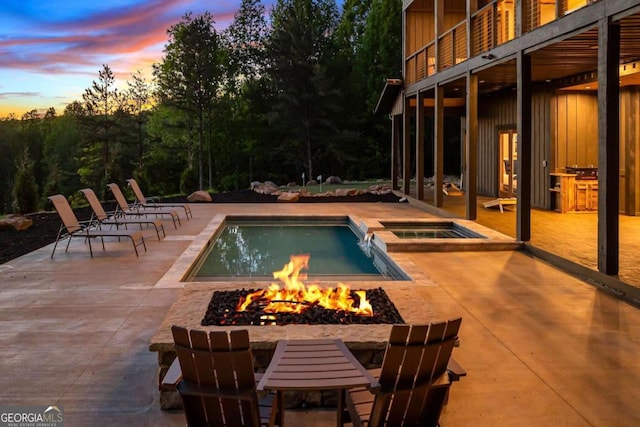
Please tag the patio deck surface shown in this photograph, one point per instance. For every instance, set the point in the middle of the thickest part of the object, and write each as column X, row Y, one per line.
column 540, row 346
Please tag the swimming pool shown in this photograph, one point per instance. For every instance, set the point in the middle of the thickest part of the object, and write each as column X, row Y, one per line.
column 253, row 248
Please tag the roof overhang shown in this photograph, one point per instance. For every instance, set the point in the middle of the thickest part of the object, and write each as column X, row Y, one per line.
column 388, row 97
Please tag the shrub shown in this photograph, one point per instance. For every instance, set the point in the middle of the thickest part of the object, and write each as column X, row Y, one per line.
column 25, row 189
column 189, row 181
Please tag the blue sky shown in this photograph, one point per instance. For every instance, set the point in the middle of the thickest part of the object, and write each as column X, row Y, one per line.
column 51, row 51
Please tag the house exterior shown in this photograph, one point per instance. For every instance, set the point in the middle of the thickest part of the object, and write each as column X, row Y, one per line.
column 546, row 95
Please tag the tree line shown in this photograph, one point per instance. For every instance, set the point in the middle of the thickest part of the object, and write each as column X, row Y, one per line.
column 273, row 96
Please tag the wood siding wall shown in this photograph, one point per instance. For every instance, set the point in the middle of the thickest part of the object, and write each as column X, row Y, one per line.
column 565, row 133
column 629, row 151
column 498, row 112
column 576, row 130
column 419, row 31
column 420, row 23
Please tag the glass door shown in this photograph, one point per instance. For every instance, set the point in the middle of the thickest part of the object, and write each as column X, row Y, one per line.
column 508, row 176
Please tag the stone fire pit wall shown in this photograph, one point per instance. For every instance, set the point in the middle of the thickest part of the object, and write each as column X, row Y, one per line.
column 366, row 342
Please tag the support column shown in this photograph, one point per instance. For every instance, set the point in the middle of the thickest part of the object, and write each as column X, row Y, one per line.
column 395, row 150
column 420, row 146
column 471, row 154
column 438, row 146
column 525, row 152
column 406, row 148
column 608, row 146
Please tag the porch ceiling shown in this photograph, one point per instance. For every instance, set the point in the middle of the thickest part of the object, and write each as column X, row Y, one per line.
column 569, row 57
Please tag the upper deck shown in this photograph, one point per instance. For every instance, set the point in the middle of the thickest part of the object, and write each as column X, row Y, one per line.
column 439, row 34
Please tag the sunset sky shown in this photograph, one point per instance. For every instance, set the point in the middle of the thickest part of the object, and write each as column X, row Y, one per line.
column 51, row 51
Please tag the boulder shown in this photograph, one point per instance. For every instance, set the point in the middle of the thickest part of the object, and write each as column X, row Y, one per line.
column 199, row 196
column 267, row 187
column 288, row 197
column 333, row 180
column 18, row 222
column 346, row 192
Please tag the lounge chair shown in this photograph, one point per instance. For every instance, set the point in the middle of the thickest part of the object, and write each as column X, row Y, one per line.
column 126, row 210
column 414, row 380
column 71, row 227
column 154, row 202
column 101, row 216
column 218, row 386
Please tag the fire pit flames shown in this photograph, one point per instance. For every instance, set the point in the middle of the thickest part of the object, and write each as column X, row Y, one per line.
column 296, row 297
column 297, row 303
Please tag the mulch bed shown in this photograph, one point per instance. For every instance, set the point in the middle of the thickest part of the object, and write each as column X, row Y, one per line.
column 46, row 224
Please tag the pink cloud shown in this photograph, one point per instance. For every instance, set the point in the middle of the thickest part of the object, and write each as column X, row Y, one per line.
column 86, row 42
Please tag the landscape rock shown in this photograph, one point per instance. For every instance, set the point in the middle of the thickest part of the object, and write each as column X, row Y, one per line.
column 267, row 187
column 18, row 222
column 346, row 192
column 288, row 197
column 333, row 180
column 199, row 196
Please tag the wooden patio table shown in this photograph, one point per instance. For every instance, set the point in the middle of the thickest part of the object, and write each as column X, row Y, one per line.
column 314, row 364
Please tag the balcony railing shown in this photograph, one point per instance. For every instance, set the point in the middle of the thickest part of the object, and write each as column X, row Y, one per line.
column 421, row 64
column 453, row 46
column 492, row 25
column 483, row 27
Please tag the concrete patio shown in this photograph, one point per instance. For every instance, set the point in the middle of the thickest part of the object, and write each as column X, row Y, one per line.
column 541, row 347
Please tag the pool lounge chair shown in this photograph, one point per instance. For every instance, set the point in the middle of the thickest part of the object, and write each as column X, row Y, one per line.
column 126, row 210
column 101, row 216
column 71, row 227
column 154, row 202
column 414, row 378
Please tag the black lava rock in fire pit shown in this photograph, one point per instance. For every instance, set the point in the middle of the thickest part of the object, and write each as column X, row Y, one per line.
column 222, row 312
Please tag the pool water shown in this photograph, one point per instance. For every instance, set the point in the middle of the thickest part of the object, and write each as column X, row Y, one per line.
column 254, row 250
column 432, row 230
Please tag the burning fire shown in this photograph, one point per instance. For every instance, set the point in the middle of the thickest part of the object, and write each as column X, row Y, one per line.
column 296, row 297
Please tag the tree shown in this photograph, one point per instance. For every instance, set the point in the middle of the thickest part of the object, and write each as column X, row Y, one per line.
column 299, row 50
column 11, row 145
column 370, row 39
column 62, row 145
column 189, row 75
column 246, row 38
column 245, row 42
column 139, row 95
column 25, row 189
column 103, row 105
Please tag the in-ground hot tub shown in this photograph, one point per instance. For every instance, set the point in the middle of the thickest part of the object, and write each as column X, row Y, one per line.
column 434, row 235
column 430, row 230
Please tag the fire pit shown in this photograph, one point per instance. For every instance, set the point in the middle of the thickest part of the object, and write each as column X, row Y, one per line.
column 222, row 312
column 298, row 303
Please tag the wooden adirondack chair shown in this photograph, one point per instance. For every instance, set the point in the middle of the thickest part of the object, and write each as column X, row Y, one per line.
column 218, row 386
column 414, row 381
